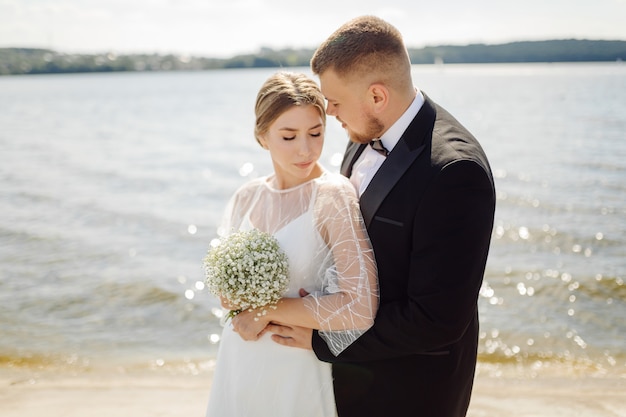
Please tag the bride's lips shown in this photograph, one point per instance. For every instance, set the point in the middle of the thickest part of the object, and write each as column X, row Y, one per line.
column 304, row 165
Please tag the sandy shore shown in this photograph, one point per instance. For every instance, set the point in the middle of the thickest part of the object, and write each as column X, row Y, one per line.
column 28, row 393
column 548, row 397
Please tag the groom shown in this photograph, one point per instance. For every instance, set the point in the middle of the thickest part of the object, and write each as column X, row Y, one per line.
column 428, row 201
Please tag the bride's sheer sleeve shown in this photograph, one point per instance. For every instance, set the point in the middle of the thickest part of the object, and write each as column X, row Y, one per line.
column 348, row 302
column 236, row 209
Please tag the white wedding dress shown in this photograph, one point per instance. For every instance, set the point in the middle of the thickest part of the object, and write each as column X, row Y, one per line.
column 262, row 378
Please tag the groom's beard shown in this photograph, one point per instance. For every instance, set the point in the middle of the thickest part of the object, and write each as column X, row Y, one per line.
column 373, row 130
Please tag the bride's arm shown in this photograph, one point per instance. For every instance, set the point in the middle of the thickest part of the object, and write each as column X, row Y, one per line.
column 349, row 300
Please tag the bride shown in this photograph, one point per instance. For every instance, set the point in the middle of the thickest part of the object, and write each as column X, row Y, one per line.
column 315, row 217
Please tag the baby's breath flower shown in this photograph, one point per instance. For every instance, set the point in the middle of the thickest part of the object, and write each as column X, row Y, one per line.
column 248, row 268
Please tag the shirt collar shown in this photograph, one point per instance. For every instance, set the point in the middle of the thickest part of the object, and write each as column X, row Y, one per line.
column 391, row 137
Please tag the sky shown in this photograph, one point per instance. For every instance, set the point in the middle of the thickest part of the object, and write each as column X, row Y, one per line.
column 226, row 28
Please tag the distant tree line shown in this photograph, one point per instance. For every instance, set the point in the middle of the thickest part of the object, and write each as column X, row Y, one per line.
column 568, row 50
column 14, row 61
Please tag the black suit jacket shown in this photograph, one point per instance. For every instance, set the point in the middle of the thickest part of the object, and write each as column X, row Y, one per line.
column 429, row 213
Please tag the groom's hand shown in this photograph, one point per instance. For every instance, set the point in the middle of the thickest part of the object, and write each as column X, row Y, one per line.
column 293, row 336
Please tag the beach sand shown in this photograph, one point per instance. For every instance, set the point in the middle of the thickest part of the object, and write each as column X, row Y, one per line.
column 111, row 393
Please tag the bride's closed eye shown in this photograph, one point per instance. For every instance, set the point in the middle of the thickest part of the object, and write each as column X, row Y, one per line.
column 312, row 134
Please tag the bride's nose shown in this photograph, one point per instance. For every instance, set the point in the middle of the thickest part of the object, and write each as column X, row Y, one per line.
column 304, row 148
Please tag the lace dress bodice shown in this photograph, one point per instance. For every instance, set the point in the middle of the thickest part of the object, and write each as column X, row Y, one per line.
column 319, row 226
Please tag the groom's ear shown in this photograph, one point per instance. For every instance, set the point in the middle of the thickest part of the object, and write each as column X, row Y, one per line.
column 379, row 97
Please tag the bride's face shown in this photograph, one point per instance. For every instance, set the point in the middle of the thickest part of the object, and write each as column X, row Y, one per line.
column 295, row 142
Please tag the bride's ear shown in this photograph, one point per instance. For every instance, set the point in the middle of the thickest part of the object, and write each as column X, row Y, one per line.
column 262, row 142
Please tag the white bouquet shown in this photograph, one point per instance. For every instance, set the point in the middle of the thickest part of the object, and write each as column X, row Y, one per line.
column 248, row 268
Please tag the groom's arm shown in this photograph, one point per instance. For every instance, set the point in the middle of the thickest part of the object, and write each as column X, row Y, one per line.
column 450, row 239
column 303, row 338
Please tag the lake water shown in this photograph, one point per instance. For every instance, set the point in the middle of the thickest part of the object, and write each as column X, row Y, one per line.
column 111, row 186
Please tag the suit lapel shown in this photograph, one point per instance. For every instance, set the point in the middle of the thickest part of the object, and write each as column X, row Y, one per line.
column 387, row 176
column 406, row 151
column 351, row 155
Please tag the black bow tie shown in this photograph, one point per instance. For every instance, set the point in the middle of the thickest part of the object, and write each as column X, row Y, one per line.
column 377, row 145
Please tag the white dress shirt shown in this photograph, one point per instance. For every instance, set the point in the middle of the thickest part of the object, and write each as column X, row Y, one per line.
column 369, row 161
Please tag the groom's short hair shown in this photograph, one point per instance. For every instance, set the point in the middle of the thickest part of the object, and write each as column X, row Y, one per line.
column 365, row 47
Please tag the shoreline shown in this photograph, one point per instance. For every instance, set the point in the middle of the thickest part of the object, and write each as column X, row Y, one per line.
column 111, row 391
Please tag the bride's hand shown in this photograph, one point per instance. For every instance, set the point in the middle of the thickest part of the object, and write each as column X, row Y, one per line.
column 250, row 324
column 227, row 304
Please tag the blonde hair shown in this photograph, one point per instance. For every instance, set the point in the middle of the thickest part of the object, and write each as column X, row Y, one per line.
column 279, row 93
column 366, row 47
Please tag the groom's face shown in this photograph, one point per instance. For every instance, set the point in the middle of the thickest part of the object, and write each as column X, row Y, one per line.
column 348, row 103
